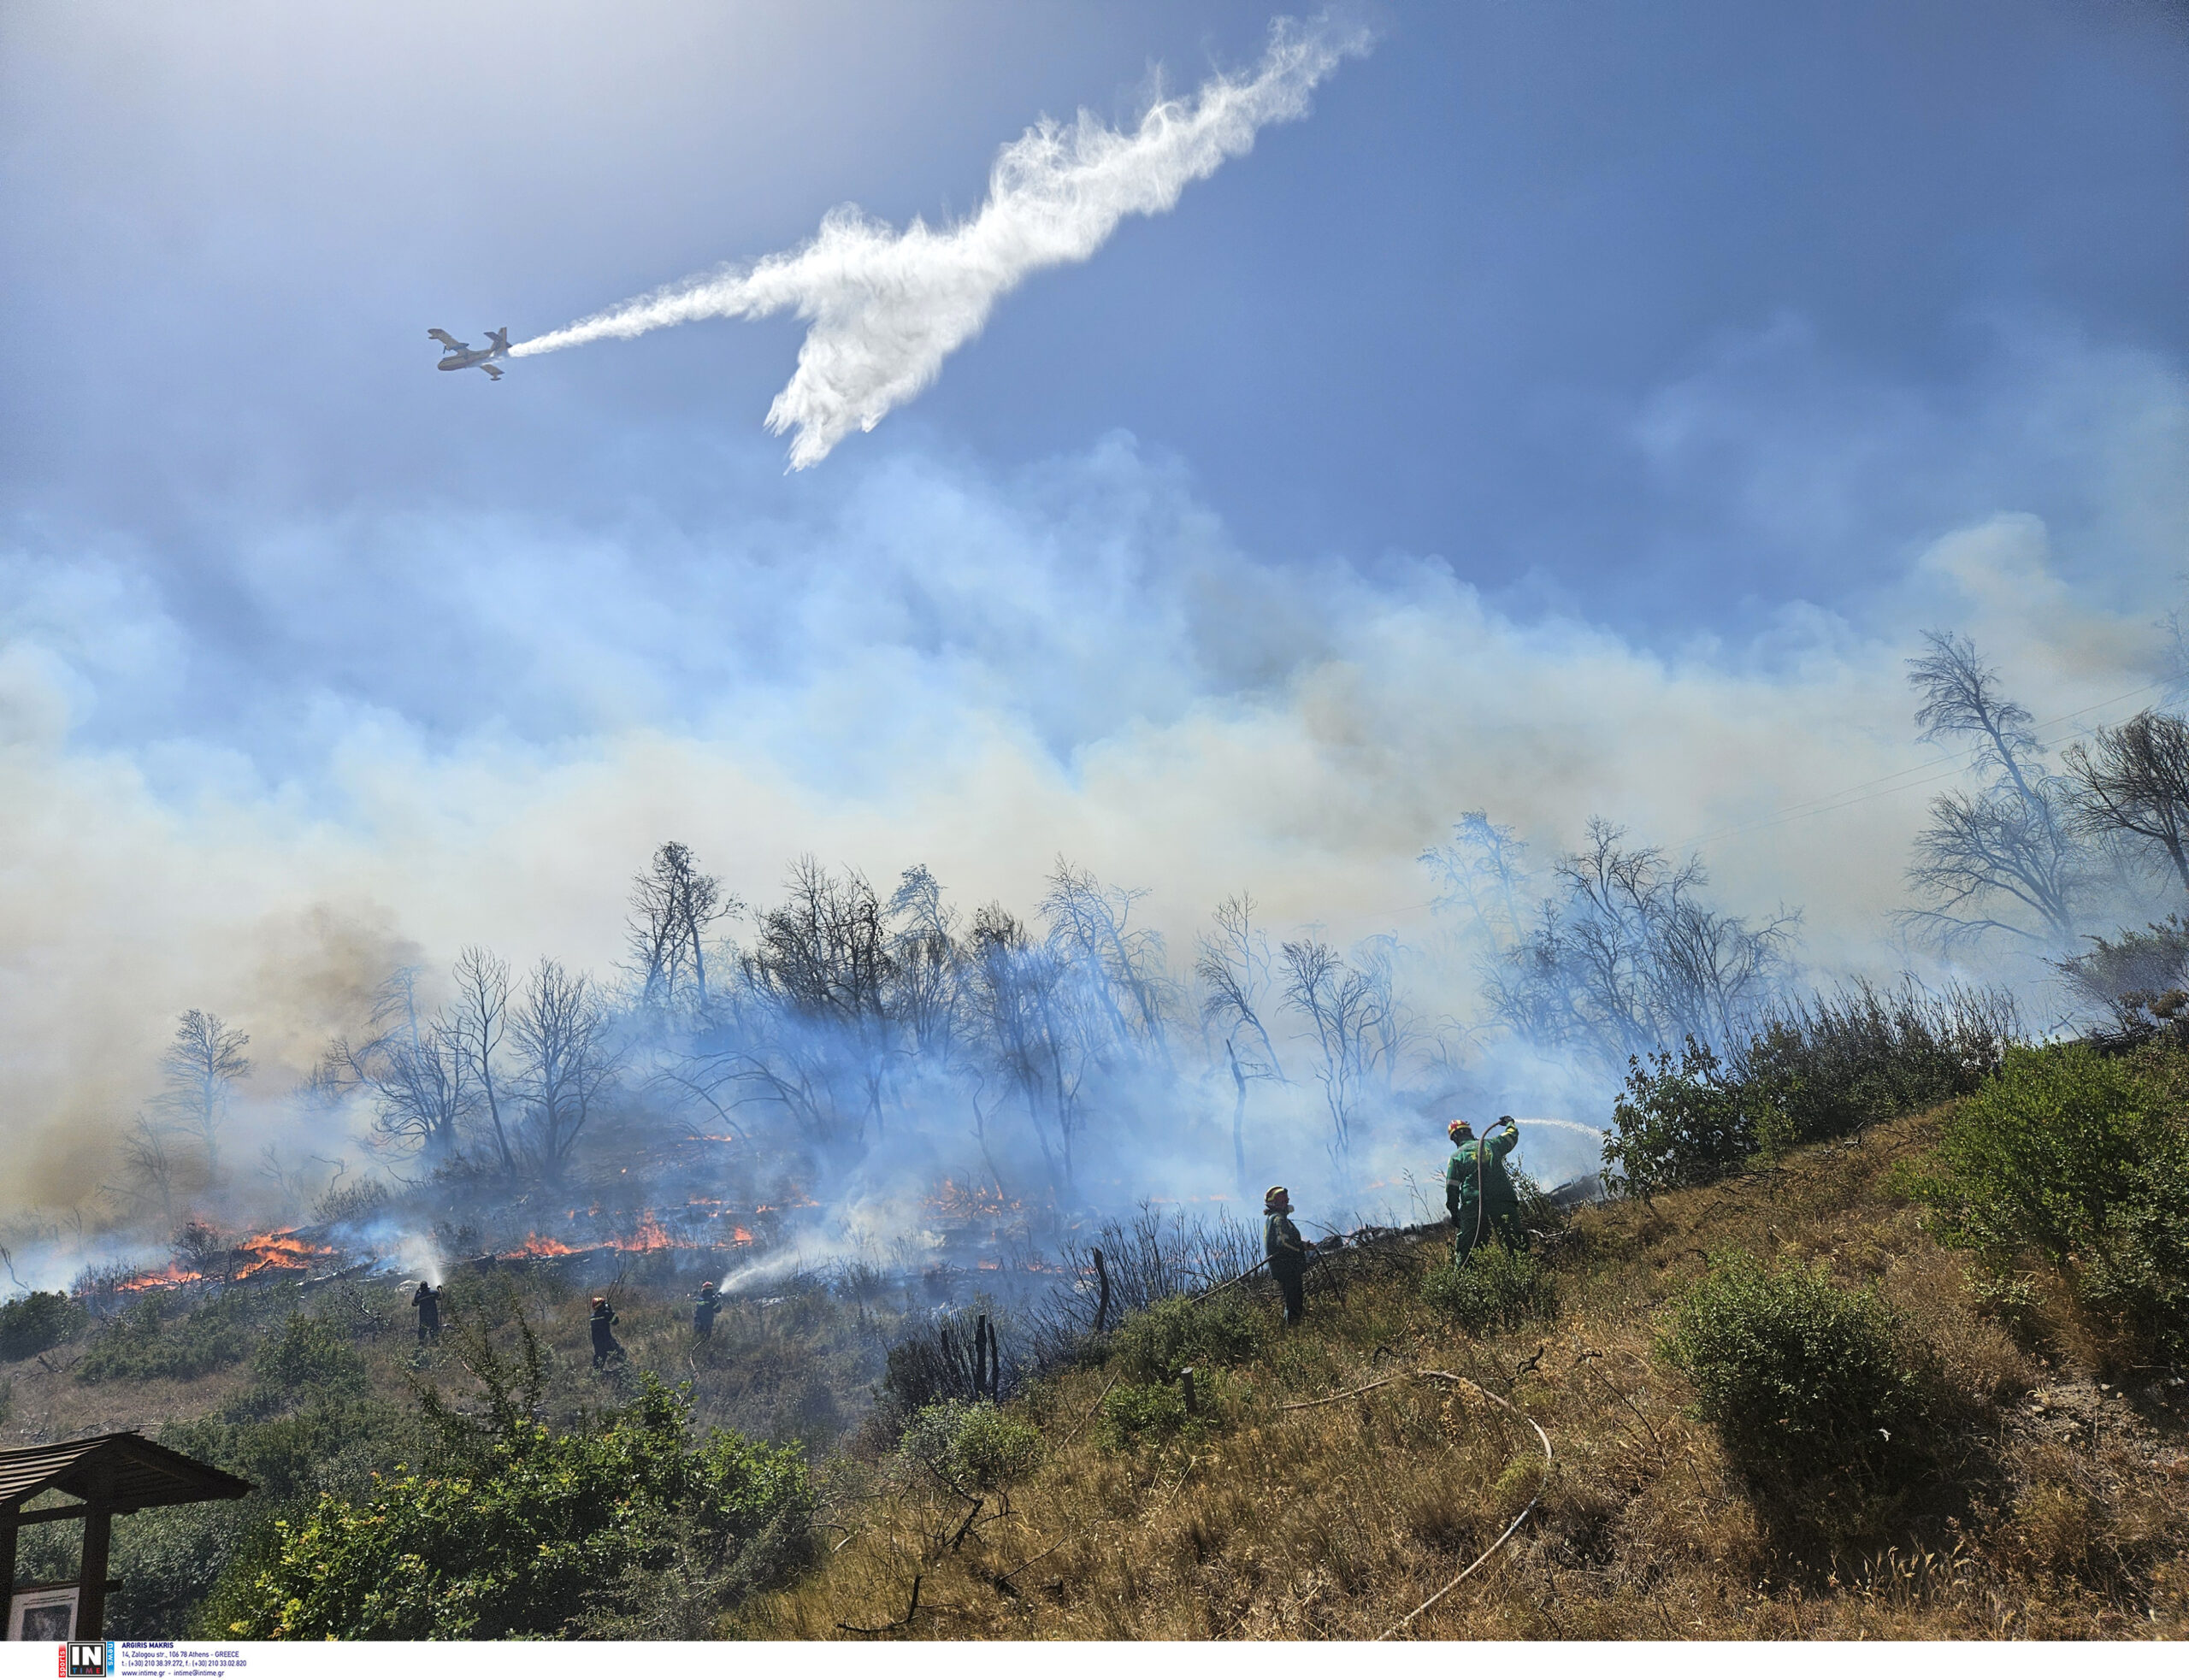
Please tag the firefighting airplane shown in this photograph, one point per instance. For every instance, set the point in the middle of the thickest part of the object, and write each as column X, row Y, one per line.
column 461, row 355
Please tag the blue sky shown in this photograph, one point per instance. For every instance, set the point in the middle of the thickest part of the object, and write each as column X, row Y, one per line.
column 1581, row 410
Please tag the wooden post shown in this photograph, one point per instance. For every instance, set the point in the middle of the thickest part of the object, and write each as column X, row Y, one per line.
column 90, row 1572
column 1186, row 1382
column 980, row 1357
column 8, row 1533
column 1102, row 1304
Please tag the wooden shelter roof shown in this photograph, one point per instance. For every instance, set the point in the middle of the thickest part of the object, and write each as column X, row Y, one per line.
column 122, row 1469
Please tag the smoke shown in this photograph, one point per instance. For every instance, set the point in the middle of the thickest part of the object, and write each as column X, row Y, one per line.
column 887, row 306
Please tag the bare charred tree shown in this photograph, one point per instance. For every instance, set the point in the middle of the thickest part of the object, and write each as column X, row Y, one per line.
column 2006, row 857
column 1354, row 1023
column 148, row 1174
column 1629, row 957
column 1015, row 1001
column 672, row 906
column 926, row 963
column 1484, row 872
column 565, row 1062
column 1089, row 927
column 815, row 1023
column 201, row 1068
column 477, row 1030
column 2132, row 781
column 1234, row 967
column 413, row 1071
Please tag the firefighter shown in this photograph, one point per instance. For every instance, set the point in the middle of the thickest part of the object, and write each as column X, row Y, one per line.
column 605, row 1344
column 1479, row 1192
column 1287, row 1252
column 703, row 1315
column 427, row 1300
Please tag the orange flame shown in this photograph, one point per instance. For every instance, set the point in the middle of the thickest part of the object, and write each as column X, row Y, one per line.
column 648, row 1237
column 536, row 1246
column 280, row 1250
column 170, row 1276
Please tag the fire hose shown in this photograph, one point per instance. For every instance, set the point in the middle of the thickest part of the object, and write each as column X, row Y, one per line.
column 1511, row 1528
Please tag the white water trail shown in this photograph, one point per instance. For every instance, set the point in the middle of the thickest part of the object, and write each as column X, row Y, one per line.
column 1568, row 1125
column 887, row 306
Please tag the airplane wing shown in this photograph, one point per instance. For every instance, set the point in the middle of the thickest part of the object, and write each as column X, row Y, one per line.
column 493, row 372
column 453, row 344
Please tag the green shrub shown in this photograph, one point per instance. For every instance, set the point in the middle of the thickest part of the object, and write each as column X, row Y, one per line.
column 1795, row 1372
column 544, row 1529
column 146, row 1340
column 1810, row 1070
column 1830, row 1065
column 1498, row 1288
column 306, row 1353
column 1155, row 1345
column 40, row 1320
column 972, row 1447
column 1673, row 1127
column 1133, row 1413
column 2084, row 1160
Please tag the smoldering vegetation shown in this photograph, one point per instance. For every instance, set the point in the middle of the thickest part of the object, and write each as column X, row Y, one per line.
column 833, row 1071
column 976, row 1188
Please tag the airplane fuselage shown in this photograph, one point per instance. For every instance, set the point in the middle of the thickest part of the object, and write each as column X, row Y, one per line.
column 461, row 355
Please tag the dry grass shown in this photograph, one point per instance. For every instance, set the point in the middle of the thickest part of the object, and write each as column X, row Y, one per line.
column 2045, row 1506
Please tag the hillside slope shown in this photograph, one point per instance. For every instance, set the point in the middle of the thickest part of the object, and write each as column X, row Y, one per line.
column 2048, row 1497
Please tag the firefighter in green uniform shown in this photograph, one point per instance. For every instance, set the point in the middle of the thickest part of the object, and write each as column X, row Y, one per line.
column 1287, row 1251
column 1479, row 1192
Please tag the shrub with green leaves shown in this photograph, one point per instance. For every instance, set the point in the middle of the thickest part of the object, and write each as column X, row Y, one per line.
column 150, row 1339
column 972, row 1447
column 1135, row 1414
column 2082, row 1160
column 1678, row 1124
column 37, row 1321
column 543, row 1530
column 1155, row 1345
column 1829, row 1065
column 1498, row 1288
column 1796, row 1372
column 1811, row 1069
column 306, row 1353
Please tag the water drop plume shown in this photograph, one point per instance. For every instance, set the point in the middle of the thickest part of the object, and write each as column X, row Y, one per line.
column 887, row 306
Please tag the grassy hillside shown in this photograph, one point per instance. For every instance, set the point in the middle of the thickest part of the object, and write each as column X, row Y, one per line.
column 1924, row 1381
column 320, row 1393
column 2045, row 1492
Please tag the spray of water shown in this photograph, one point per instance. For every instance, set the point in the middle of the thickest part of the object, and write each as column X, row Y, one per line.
column 887, row 306
column 1591, row 1132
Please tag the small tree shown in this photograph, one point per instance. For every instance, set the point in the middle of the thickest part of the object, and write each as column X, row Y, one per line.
column 201, row 1068
column 672, row 906
column 2134, row 782
column 560, row 1032
column 1233, row 966
column 1354, row 1024
column 2006, row 857
column 414, row 1071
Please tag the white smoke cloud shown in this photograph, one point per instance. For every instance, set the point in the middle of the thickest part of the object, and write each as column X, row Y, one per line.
column 887, row 306
column 973, row 673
